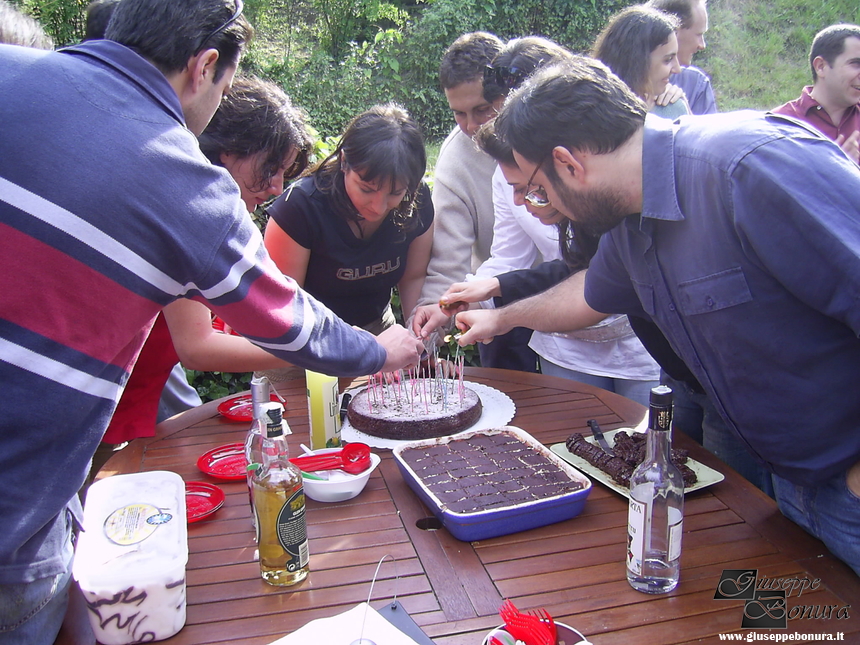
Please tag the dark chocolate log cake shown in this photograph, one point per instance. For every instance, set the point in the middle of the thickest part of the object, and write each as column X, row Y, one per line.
column 629, row 452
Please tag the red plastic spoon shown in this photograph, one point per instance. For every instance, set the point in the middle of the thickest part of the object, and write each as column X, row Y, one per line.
column 353, row 458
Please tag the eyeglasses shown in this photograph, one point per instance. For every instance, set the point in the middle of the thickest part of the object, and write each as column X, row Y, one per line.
column 505, row 77
column 537, row 196
column 238, row 12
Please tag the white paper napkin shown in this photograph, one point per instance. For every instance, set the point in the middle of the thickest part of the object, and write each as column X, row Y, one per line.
column 345, row 628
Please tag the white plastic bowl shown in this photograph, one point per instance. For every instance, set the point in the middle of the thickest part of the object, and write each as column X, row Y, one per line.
column 341, row 486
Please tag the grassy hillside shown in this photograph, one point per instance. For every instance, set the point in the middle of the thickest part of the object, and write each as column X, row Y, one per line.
column 758, row 50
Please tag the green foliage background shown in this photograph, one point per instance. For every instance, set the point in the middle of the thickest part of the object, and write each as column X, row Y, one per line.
column 64, row 20
column 339, row 57
column 336, row 58
column 394, row 53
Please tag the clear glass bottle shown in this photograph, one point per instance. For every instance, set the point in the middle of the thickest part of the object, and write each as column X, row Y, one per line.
column 279, row 506
column 656, row 511
column 260, row 394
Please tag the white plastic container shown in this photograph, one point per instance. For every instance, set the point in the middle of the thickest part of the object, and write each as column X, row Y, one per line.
column 130, row 559
column 338, row 486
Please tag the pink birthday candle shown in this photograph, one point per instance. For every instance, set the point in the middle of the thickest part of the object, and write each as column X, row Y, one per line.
column 462, row 387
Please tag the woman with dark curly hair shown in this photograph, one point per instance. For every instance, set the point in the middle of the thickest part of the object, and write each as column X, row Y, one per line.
column 260, row 137
column 361, row 223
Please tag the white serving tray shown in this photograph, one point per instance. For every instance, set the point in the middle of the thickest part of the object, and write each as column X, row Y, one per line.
column 706, row 476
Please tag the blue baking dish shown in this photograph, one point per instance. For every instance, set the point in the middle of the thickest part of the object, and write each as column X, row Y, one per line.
column 522, row 470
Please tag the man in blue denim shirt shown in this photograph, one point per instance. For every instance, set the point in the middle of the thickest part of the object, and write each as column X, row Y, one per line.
column 739, row 235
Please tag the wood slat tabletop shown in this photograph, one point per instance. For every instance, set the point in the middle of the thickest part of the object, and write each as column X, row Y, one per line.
column 453, row 589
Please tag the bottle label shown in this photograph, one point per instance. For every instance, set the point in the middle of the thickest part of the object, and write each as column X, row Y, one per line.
column 292, row 531
column 637, row 514
column 676, row 524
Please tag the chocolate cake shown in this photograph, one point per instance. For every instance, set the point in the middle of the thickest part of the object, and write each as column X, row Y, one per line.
column 412, row 409
column 629, row 452
column 487, row 471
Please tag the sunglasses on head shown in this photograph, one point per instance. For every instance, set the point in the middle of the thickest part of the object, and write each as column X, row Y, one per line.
column 236, row 13
column 505, row 77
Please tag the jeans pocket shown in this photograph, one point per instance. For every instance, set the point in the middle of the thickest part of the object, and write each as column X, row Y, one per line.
column 852, row 481
column 20, row 602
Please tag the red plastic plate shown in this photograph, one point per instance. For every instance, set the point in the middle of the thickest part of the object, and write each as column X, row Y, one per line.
column 239, row 408
column 201, row 500
column 224, row 462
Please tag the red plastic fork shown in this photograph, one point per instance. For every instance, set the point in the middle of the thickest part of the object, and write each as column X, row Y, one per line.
column 531, row 632
column 543, row 615
column 529, row 629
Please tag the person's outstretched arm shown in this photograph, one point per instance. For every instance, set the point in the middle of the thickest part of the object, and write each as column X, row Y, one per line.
column 560, row 308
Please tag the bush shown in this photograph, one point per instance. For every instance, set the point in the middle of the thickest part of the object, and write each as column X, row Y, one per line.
column 571, row 23
column 402, row 64
column 332, row 92
column 62, row 19
column 214, row 385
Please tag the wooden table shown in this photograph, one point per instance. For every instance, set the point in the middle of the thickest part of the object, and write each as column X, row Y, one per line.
column 575, row 569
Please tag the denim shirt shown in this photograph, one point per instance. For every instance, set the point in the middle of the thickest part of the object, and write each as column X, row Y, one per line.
column 747, row 256
column 697, row 87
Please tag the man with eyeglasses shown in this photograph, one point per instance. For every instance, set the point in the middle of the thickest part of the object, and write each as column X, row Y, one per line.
column 108, row 212
column 737, row 235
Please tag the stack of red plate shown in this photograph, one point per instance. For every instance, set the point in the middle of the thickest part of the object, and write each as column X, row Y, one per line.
column 201, row 500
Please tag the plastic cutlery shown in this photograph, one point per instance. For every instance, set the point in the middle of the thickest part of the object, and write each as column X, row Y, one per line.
column 353, row 458
column 543, row 615
column 530, row 629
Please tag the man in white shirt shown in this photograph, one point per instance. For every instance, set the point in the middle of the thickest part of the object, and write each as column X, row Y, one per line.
column 463, row 193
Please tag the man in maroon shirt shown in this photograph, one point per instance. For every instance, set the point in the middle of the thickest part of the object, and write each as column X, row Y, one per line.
column 830, row 104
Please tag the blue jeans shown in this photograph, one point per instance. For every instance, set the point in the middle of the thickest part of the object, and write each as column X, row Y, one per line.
column 697, row 417
column 639, row 391
column 33, row 612
column 829, row 511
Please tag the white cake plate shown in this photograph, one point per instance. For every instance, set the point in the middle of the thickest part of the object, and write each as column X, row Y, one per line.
column 497, row 411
